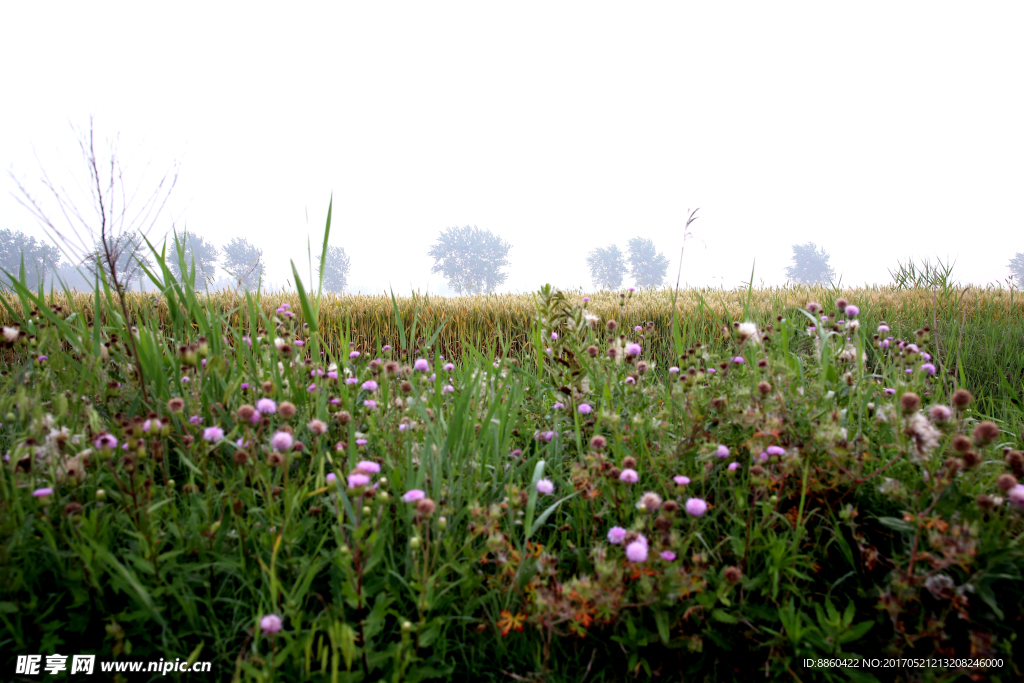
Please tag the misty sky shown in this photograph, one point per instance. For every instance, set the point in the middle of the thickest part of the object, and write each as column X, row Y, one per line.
column 880, row 131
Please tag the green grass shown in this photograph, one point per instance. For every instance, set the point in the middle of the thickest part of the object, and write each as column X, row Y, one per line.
column 865, row 537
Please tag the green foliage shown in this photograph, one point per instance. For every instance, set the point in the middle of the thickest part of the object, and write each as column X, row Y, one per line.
column 838, row 527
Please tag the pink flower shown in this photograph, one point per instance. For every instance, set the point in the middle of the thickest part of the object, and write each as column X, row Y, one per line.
column 680, row 480
column 421, row 365
column 357, row 479
column 332, row 478
column 311, row 388
column 739, row 360
column 447, row 389
column 673, row 370
column 351, row 380
column 775, row 450
column 449, row 367
column 696, row 507
column 629, row 476
column 413, row 495
column 1016, row 495
column 940, row 413
column 105, row 441
column 633, row 349
column 668, row 555
column 353, row 355
column 281, row 441
column 368, row 467
column 361, row 442
column 545, row 486
column 213, row 434
column 722, row 451
column 370, row 385
column 554, row 336
column 271, row 624
column 636, row 551
column 266, row 406
column 586, row 299
column 734, row 466
column 616, row 535
column 317, row 426
column 370, row 403
column 585, row 409
column 558, row 405
column 43, row 492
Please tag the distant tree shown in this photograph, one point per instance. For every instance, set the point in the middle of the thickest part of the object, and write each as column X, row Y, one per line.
column 204, row 253
column 243, row 261
column 336, row 268
column 810, row 265
column 41, row 259
column 646, row 264
column 470, row 259
column 1017, row 269
column 606, row 266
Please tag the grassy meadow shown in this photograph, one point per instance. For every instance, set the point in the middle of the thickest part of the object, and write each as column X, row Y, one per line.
column 750, row 485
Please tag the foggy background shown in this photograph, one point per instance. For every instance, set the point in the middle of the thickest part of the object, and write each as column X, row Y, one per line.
column 880, row 131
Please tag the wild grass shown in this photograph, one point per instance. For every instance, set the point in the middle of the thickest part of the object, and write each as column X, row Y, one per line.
column 403, row 489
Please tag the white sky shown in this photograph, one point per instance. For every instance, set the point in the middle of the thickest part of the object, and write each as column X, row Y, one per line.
column 877, row 130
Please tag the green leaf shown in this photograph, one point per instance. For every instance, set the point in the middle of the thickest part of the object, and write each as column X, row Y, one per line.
column 547, row 513
column 856, row 631
column 724, row 617
column 896, row 524
column 661, row 619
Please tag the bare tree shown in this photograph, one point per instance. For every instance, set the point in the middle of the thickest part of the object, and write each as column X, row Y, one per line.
column 104, row 240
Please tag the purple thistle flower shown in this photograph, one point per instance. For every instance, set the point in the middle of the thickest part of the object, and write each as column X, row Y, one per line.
column 213, row 434
column 266, row 406
column 696, row 507
column 386, row 347
column 370, row 403
column 185, row 379
column 245, row 386
column 929, row 368
column 558, row 405
column 890, row 392
column 852, row 311
column 271, row 624
column 43, row 492
column 351, row 380
column 105, row 441
column 712, row 371
column 42, row 358
column 629, row 476
column 422, row 365
column 311, row 388
column 616, row 535
column 633, row 349
column 370, row 385
column 584, row 409
column 447, row 389
column 586, row 299
column 281, row 441
column 554, row 336
column 353, row 355
column 368, row 467
column 449, row 367
column 332, row 479
column 545, row 487
column 733, row 466
column 722, row 451
column 632, row 289
column 413, row 495
column 361, row 442
column 668, row 555
column 636, row 552
column 357, row 479
column 739, row 360
column 195, row 419
column 776, row 450
column 638, row 328
column 681, row 480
